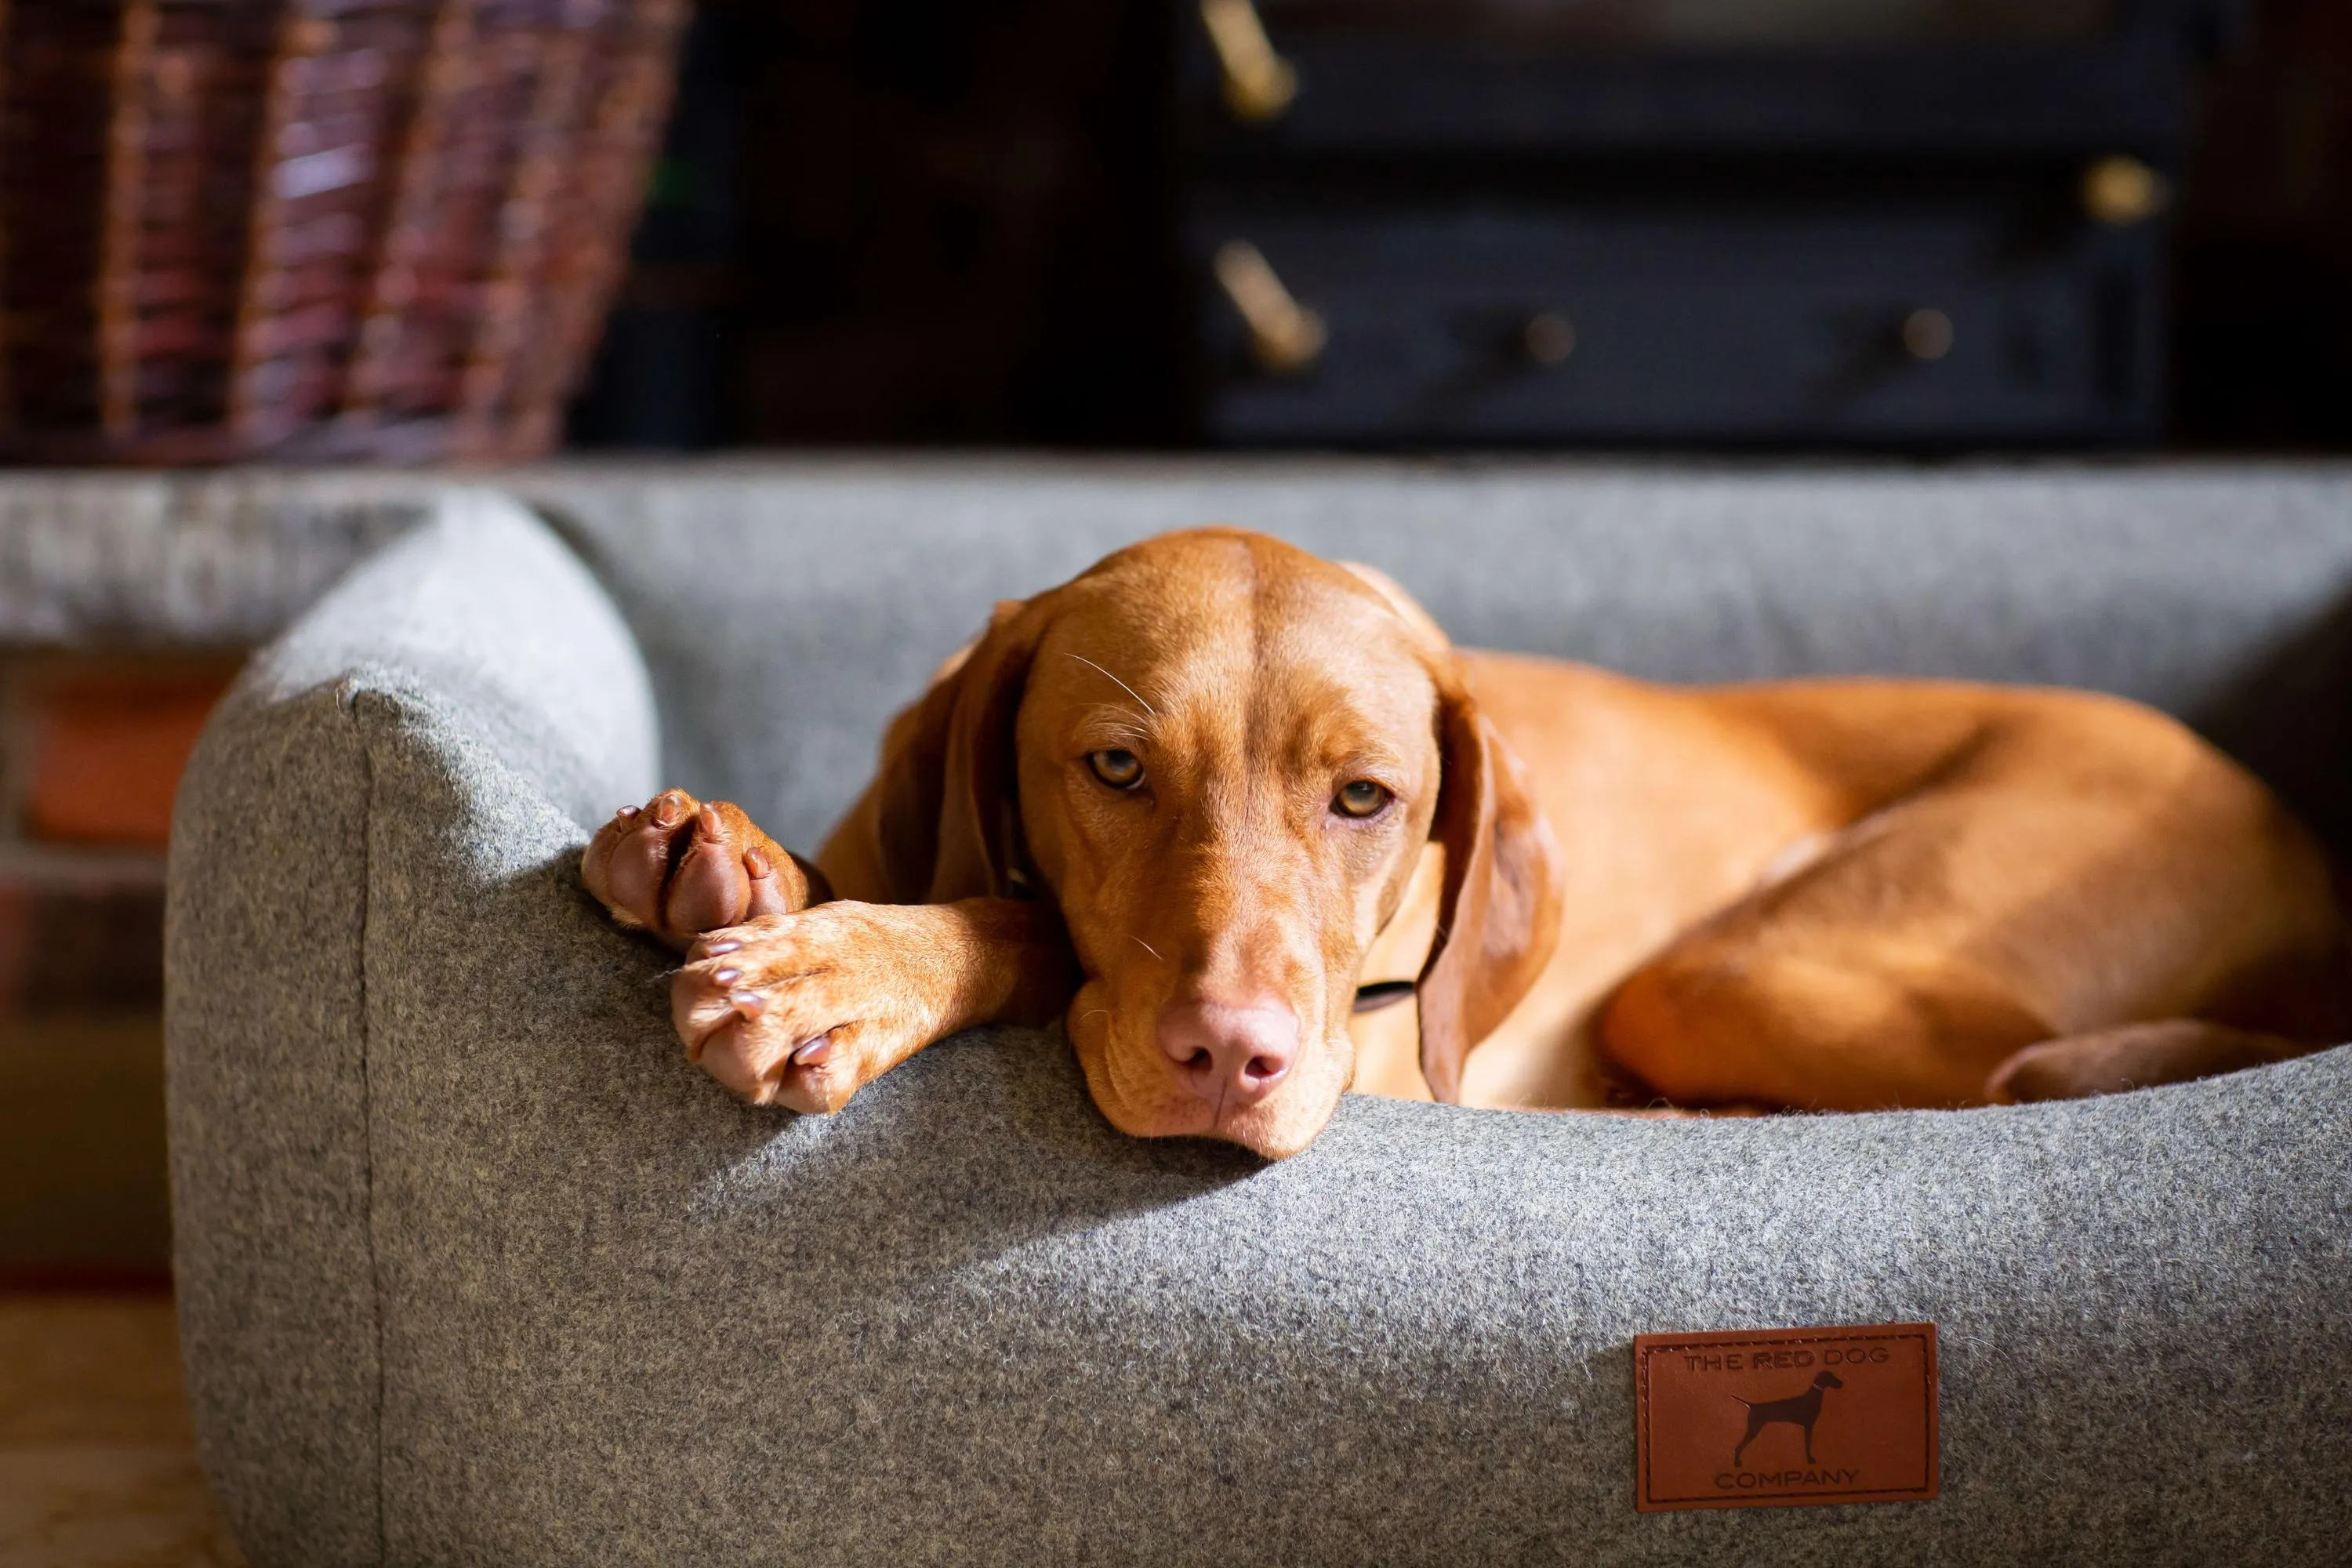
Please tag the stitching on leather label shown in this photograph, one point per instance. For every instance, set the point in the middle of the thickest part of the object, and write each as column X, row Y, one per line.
column 1785, row 1417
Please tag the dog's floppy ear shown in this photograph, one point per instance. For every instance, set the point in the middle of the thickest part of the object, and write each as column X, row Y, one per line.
column 1498, row 917
column 948, row 823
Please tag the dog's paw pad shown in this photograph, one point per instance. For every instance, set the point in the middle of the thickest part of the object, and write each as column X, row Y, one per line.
column 679, row 867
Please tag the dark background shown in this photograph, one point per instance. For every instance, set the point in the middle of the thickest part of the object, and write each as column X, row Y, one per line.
column 2262, row 329
column 911, row 222
column 902, row 221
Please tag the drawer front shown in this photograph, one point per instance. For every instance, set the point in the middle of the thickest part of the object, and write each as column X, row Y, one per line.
column 1463, row 325
column 1357, row 95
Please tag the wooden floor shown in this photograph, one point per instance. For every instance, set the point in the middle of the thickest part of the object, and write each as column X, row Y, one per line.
column 98, row 1465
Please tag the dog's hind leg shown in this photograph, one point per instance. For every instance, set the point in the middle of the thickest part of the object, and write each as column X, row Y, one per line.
column 2134, row 1056
column 1993, row 936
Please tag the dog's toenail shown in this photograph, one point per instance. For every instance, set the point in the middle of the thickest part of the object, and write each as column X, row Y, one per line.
column 707, row 819
column 626, row 813
column 814, row 1052
column 755, row 862
column 728, row 976
column 717, row 949
column 747, row 1003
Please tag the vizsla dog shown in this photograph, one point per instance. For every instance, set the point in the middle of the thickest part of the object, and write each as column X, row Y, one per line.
column 1215, row 801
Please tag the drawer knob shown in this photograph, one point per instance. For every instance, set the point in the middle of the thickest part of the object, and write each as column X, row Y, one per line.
column 1928, row 335
column 2121, row 190
column 1285, row 335
column 1259, row 83
column 1548, row 338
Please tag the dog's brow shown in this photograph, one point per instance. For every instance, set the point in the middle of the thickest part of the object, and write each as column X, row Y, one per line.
column 1114, row 679
column 1124, row 719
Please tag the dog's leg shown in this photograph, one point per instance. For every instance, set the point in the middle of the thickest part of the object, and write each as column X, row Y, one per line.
column 790, row 997
column 1846, row 986
column 1998, row 910
column 1713, row 1022
column 2136, row 1056
column 804, row 1009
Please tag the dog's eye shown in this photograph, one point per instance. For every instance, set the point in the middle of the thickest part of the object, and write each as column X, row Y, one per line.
column 1119, row 769
column 1361, row 798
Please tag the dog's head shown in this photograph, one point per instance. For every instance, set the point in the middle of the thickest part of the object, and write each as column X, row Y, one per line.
column 1222, row 758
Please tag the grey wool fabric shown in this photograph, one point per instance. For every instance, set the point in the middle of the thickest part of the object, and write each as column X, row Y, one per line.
column 475, row 1268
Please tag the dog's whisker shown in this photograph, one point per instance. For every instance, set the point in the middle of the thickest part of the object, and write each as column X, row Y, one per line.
column 1114, row 680
column 1145, row 946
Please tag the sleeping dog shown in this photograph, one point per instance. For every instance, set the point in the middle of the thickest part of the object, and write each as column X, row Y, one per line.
column 1215, row 803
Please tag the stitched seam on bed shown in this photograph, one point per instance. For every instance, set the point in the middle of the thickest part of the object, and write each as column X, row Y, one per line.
column 367, row 1102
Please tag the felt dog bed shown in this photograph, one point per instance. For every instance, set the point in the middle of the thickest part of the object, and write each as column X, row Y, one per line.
column 473, row 1267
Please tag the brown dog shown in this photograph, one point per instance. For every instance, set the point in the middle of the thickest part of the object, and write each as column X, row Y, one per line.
column 1213, row 800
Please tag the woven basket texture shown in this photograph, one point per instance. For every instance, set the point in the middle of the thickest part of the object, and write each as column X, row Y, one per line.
column 312, row 229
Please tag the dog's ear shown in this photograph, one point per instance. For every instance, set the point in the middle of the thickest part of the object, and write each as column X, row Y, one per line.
column 1498, row 917
column 948, row 822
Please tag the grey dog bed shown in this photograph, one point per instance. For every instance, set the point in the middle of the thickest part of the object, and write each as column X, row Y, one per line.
column 473, row 1267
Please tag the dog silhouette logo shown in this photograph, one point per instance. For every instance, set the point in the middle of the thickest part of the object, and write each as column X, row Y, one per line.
column 1797, row 1410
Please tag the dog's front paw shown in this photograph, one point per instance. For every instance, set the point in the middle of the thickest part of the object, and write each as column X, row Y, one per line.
column 677, row 867
column 803, row 1010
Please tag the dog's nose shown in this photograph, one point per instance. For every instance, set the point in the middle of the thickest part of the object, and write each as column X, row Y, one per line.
column 1228, row 1054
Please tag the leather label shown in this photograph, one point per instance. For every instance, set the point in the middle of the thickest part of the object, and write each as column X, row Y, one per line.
column 1779, row 1417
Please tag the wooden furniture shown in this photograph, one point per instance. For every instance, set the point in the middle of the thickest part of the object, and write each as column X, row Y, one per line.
column 1539, row 221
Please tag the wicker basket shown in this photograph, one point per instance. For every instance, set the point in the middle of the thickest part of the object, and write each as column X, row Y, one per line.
column 313, row 229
